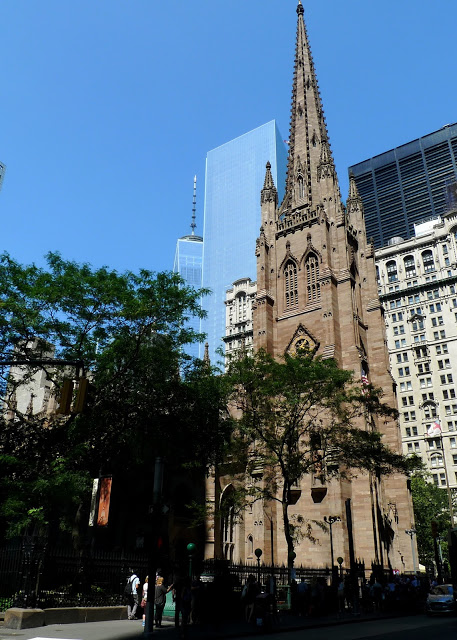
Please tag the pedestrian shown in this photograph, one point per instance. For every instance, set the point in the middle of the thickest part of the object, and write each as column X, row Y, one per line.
column 131, row 594
column 160, row 599
column 144, row 598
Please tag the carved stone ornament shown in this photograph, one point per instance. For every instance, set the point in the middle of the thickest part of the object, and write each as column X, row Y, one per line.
column 302, row 339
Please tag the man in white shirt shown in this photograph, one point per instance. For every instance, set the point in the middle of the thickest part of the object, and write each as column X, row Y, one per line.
column 133, row 584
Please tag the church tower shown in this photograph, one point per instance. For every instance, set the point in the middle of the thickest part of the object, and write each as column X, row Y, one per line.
column 317, row 285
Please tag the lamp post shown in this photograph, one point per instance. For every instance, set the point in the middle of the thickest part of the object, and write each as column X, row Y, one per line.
column 411, row 533
column 191, row 550
column 258, row 553
column 330, row 520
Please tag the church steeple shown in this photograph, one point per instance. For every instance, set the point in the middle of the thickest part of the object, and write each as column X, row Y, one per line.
column 310, row 157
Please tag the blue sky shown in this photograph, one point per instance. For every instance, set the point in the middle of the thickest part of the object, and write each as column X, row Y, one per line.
column 108, row 107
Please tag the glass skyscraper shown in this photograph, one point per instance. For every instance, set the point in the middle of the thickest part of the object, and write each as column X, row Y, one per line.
column 407, row 185
column 235, row 173
column 188, row 263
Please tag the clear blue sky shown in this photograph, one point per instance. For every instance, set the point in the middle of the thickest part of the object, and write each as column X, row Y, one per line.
column 108, row 107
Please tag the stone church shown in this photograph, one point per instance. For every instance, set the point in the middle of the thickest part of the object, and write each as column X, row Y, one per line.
column 316, row 285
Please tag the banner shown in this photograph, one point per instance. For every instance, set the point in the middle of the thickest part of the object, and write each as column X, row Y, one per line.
column 103, row 503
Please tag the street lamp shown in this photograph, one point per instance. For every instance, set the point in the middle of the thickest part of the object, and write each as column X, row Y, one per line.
column 330, row 520
column 191, row 550
column 411, row 533
column 258, row 553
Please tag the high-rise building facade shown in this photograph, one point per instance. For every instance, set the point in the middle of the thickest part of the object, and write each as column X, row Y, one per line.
column 417, row 281
column 407, row 185
column 316, row 286
column 238, row 313
column 234, row 178
column 188, row 263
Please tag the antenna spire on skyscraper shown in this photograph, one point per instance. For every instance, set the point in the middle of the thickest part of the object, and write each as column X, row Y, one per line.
column 193, row 224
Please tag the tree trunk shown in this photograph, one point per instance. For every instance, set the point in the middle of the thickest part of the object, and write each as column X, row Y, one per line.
column 287, row 532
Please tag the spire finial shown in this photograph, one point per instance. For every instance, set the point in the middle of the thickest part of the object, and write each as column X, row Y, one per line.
column 206, row 359
column 300, row 10
column 193, row 224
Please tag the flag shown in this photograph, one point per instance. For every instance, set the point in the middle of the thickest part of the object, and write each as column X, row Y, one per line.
column 364, row 380
column 434, row 429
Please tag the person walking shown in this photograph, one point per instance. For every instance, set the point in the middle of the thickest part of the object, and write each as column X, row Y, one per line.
column 131, row 594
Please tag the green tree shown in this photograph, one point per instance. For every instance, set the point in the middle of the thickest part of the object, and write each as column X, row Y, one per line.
column 430, row 505
column 304, row 415
column 126, row 331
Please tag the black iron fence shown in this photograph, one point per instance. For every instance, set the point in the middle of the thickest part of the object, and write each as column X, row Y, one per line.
column 240, row 572
column 32, row 573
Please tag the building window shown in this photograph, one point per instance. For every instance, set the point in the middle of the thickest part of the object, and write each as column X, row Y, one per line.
column 427, row 259
column 312, row 276
column 410, row 268
column 291, row 285
column 436, row 460
column 402, row 357
column 399, row 329
column 391, row 267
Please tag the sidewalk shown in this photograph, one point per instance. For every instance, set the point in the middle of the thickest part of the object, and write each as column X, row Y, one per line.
column 125, row 629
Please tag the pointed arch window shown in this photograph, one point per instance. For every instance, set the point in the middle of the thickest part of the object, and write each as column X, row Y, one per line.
column 228, row 523
column 291, row 285
column 313, row 288
column 250, row 542
column 301, row 186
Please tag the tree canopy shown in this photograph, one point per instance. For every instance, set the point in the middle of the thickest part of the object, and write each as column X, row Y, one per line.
column 125, row 332
column 430, row 504
column 303, row 414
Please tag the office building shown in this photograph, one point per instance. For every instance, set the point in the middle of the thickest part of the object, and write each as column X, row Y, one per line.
column 417, row 281
column 406, row 185
column 234, row 178
column 188, row 263
column 238, row 318
column 316, row 288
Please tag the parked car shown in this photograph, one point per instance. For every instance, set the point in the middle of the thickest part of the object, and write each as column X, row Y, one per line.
column 440, row 599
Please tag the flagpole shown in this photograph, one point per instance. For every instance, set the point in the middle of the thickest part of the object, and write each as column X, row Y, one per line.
column 449, row 494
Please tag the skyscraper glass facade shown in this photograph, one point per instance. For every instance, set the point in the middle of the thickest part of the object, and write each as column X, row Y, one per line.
column 188, row 263
column 407, row 185
column 235, row 173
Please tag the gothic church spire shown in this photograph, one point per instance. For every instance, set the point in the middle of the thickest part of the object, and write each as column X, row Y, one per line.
column 310, row 157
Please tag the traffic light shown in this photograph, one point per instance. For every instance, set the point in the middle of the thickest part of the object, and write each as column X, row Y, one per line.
column 434, row 526
column 83, row 395
column 66, row 396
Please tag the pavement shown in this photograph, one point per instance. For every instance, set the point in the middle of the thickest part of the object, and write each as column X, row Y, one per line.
column 126, row 629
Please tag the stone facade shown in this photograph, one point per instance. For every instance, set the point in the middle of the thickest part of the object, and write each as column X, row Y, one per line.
column 316, row 284
column 238, row 318
column 417, row 281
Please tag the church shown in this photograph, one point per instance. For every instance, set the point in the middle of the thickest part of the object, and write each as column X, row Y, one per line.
column 316, row 286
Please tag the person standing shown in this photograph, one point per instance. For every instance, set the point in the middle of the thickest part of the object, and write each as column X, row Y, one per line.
column 131, row 593
column 160, row 599
column 144, row 598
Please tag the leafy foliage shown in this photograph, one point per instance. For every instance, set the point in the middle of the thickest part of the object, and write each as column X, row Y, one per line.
column 304, row 415
column 430, row 504
column 125, row 331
